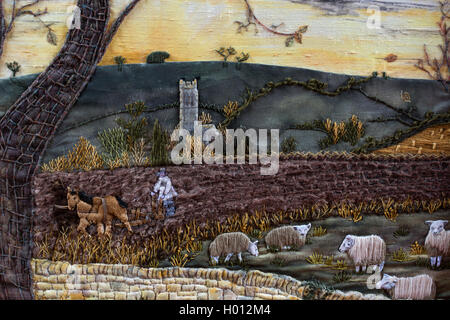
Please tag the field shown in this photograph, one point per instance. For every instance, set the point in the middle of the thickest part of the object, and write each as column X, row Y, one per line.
column 338, row 193
column 434, row 140
column 339, row 273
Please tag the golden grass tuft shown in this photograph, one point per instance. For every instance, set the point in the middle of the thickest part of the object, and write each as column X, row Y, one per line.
column 315, row 258
column 230, row 108
column 319, row 231
column 417, row 249
column 179, row 259
column 401, row 255
column 69, row 246
column 205, row 118
column 83, row 156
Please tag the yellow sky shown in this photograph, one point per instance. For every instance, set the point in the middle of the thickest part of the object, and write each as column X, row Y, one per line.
column 191, row 30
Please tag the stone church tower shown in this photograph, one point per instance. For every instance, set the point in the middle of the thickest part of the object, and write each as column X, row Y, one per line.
column 188, row 104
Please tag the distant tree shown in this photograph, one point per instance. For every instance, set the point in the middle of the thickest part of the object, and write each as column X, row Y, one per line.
column 157, row 57
column 439, row 68
column 18, row 11
column 14, row 67
column 119, row 60
column 226, row 53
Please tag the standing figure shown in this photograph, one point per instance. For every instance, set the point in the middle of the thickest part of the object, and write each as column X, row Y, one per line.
column 166, row 193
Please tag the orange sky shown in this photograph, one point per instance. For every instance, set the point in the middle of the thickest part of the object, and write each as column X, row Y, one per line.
column 192, row 30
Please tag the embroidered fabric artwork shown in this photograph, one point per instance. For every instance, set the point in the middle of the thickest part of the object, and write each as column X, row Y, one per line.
column 224, row 150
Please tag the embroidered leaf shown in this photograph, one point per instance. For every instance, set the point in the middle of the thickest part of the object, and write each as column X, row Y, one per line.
column 390, row 57
column 302, row 29
column 289, row 41
column 52, row 38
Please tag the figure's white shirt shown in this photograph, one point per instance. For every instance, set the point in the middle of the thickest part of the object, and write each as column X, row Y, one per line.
column 164, row 188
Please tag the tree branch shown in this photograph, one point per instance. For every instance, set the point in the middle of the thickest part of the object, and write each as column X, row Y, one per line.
column 253, row 20
column 439, row 69
column 397, row 110
column 115, row 26
column 2, row 28
column 22, row 11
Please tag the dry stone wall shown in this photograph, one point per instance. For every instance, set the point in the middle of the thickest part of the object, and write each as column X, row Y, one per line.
column 62, row 280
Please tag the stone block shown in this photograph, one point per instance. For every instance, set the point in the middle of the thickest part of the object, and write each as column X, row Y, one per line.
column 159, row 288
column 264, row 296
column 187, row 293
column 62, row 278
column 168, row 280
column 162, row 296
column 76, row 295
column 58, row 286
column 51, row 294
column 202, row 296
column 134, row 296
column 224, row 284
column 188, row 287
column 173, row 296
column 120, row 296
column 148, row 295
column 173, row 287
column 239, row 290
column 211, row 283
column 200, row 288
column 250, row 291
column 101, row 278
column 134, row 288
column 43, row 285
column 199, row 281
column 215, row 294
column 90, row 294
column 229, row 295
column 104, row 287
column 109, row 295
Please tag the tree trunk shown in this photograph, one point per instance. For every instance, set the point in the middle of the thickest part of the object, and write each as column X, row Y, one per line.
column 2, row 28
column 28, row 126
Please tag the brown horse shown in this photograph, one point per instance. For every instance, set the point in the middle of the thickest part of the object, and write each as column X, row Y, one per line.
column 97, row 210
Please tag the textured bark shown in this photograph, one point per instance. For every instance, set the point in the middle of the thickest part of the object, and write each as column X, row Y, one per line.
column 28, row 126
column 2, row 28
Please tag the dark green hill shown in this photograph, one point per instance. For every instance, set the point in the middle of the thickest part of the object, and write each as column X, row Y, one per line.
column 283, row 108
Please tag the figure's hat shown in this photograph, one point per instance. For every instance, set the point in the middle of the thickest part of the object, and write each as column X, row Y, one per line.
column 162, row 170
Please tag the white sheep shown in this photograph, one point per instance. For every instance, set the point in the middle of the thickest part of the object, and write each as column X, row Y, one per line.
column 287, row 236
column 437, row 242
column 365, row 251
column 421, row 287
column 231, row 243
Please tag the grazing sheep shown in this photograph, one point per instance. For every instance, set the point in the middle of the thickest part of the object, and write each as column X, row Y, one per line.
column 285, row 237
column 437, row 242
column 365, row 251
column 421, row 287
column 231, row 243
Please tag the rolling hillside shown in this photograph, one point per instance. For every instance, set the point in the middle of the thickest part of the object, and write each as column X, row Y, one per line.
column 285, row 107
